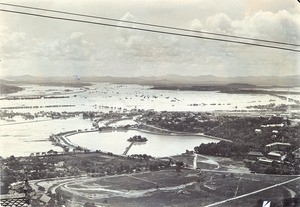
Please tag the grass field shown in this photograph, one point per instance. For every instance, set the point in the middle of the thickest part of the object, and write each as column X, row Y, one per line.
column 167, row 188
column 220, row 182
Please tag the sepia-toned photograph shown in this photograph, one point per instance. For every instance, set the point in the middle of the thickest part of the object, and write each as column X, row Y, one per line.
column 150, row 103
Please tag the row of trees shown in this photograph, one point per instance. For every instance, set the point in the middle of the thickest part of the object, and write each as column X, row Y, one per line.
column 237, row 150
column 274, row 168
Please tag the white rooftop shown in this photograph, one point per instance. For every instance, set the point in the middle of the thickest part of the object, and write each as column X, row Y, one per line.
column 278, row 143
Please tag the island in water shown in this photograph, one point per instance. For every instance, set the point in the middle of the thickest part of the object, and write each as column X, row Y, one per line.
column 137, row 138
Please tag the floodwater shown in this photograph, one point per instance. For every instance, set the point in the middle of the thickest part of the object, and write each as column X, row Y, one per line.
column 21, row 139
column 106, row 97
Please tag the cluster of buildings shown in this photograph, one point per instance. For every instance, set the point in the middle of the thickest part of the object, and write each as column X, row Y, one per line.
column 27, row 199
column 30, row 168
column 38, row 168
column 178, row 121
column 276, row 151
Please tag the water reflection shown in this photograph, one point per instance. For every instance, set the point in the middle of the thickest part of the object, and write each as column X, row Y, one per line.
column 139, row 143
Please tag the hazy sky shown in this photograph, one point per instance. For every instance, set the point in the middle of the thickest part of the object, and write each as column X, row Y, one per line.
column 44, row 47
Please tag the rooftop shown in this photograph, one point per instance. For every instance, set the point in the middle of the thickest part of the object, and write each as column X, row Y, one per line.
column 16, row 202
column 45, row 198
column 264, row 160
column 254, row 153
column 278, row 143
column 273, row 153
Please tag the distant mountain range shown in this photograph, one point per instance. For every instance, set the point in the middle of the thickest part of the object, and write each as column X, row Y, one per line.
column 167, row 80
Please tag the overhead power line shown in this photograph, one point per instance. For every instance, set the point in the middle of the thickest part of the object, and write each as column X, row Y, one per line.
column 149, row 30
column 152, row 25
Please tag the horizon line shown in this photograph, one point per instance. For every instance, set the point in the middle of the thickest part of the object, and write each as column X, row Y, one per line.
column 112, row 76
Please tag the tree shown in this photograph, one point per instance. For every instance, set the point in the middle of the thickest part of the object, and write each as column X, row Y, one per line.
column 287, row 201
column 7, row 177
column 179, row 165
column 296, row 200
column 88, row 204
column 12, row 158
column 78, row 148
column 259, row 203
column 288, row 122
column 66, row 149
column 41, row 188
column 50, row 152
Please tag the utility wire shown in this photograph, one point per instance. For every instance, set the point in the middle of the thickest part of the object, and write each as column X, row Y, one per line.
column 152, row 25
column 149, row 30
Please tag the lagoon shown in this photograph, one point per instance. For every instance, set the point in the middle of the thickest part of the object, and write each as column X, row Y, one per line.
column 157, row 145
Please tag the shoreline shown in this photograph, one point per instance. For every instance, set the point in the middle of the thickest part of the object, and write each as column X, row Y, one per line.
column 63, row 141
column 182, row 134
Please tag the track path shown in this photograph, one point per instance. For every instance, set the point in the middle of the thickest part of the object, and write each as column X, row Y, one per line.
column 254, row 192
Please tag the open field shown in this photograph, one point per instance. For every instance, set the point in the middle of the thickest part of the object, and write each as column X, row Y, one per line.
column 124, row 181
column 166, row 188
column 217, row 184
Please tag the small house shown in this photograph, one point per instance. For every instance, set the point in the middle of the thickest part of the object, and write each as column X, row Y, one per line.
column 265, row 161
column 278, row 146
column 60, row 164
column 296, row 153
column 276, row 155
column 253, row 155
column 257, row 131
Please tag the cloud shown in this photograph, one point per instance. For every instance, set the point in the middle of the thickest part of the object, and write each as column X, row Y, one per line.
column 144, row 45
column 219, row 23
column 128, row 17
column 74, row 47
column 196, row 24
column 172, row 54
column 234, row 59
column 279, row 26
column 20, row 45
column 270, row 5
column 13, row 44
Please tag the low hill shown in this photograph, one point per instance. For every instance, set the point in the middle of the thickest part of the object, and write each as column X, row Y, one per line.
column 240, row 85
column 7, row 89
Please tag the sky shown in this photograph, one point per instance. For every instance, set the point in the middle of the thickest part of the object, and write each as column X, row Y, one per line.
column 46, row 47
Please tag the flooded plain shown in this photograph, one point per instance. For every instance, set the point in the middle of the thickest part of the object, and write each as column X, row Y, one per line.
column 22, row 137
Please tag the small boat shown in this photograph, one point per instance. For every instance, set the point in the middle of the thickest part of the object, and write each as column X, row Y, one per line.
column 137, row 138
